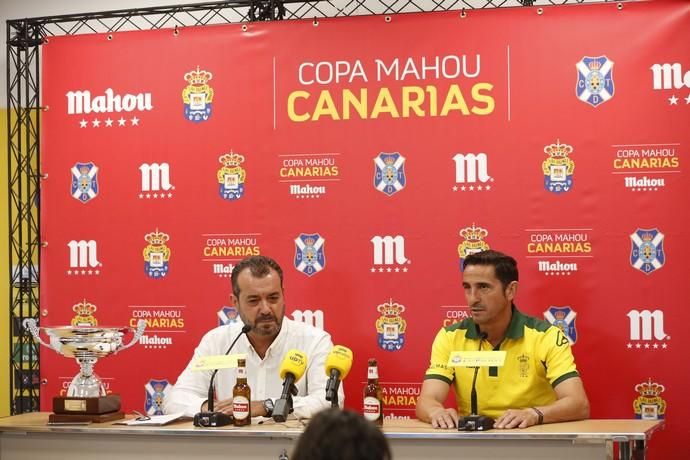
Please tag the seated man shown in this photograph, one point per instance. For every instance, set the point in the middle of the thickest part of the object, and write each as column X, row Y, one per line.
column 538, row 382
column 257, row 291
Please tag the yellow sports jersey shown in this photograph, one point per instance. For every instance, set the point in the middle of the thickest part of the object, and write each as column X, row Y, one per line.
column 538, row 357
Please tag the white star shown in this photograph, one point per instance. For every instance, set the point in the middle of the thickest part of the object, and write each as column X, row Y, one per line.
column 98, row 271
column 90, row 272
column 148, row 195
column 380, row 269
column 373, row 269
column 397, row 269
column 488, row 187
column 83, row 272
column 664, row 346
column 656, row 345
column 638, row 346
column 471, row 187
column 673, row 100
column 479, row 187
column 687, row 99
column 455, row 188
column 69, row 272
column 96, row 123
column 141, row 195
column 108, row 122
column 135, row 121
column 83, row 123
column 405, row 269
column 121, row 122
column 629, row 346
column 169, row 195
column 389, row 269
column 463, row 188
column 155, row 195
column 646, row 345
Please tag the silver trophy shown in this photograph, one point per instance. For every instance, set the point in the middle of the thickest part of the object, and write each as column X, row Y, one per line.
column 86, row 395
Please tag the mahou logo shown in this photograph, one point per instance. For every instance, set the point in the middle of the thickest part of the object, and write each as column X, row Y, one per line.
column 310, row 317
column 155, row 181
column 671, row 77
column 472, row 172
column 389, row 254
column 109, row 109
column 647, row 330
column 83, row 258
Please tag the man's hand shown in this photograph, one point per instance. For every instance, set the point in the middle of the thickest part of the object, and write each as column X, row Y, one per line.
column 219, row 406
column 444, row 418
column 517, row 418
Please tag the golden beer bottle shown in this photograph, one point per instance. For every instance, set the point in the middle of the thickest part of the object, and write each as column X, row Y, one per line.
column 373, row 400
column 241, row 396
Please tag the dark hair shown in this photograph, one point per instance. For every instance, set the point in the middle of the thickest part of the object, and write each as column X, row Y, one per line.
column 259, row 266
column 335, row 434
column 504, row 265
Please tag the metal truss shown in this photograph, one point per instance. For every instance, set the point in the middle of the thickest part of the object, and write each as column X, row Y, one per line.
column 24, row 39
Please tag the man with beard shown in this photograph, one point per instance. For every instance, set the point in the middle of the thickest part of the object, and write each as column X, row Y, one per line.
column 538, row 382
column 257, row 292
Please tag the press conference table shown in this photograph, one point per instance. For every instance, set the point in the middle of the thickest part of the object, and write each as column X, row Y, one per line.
column 28, row 436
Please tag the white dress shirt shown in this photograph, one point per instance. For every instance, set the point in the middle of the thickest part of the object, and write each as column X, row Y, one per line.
column 263, row 375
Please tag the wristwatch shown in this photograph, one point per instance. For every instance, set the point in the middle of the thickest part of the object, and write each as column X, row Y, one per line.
column 268, row 407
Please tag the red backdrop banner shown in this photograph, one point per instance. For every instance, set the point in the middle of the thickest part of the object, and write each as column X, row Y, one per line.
column 369, row 155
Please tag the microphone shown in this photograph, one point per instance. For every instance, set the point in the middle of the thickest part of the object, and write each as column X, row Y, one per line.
column 211, row 418
column 338, row 365
column 291, row 370
column 475, row 422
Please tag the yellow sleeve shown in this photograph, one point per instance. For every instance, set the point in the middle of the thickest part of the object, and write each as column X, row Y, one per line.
column 558, row 356
column 440, row 353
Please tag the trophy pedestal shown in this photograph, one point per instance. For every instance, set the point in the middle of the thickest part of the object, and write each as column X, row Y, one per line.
column 75, row 418
column 76, row 409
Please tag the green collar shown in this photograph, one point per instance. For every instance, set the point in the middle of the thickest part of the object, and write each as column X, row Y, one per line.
column 516, row 327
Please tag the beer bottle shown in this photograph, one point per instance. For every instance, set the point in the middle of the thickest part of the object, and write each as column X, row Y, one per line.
column 373, row 400
column 241, row 396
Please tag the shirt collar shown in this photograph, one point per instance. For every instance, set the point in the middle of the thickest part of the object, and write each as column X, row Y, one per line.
column 516, row 327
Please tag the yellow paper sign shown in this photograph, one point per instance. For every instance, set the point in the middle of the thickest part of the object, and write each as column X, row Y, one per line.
column 477, row 359
column 203, row 363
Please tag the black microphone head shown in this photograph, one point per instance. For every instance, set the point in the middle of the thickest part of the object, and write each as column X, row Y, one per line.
column 246, row 328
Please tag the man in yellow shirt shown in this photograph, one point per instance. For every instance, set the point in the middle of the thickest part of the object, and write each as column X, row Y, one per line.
column 538, row 383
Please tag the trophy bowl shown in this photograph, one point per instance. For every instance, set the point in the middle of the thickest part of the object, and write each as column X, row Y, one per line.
column 86, row 393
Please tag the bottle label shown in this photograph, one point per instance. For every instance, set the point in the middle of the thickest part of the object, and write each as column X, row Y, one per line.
column 240, row 407
column 241, row 372
column 373, row 373
column 372, row 408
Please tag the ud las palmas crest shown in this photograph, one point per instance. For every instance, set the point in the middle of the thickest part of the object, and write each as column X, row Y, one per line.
column 231, row 176
column 310, row 255
column 558, row 168
column 155, row 394
column 389, row 173
column 84, row 314
column 594, row 80
column 390, row 326
column 649, row 405
column 84, row 181
column 156, row 255
column 473, row 242
column 227, row 315
column 647, row 251
column 564, row 319
column 197, row 95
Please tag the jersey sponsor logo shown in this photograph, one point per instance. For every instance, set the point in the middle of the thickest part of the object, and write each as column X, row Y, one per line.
column 558, row 168
column 649, row 405
column 156, row 255
column 83, row 258
column 473, row 242
column 471, row 172
column 155, row 181
column 231, row 176
column 594, row 80
column 389, row 254
column 310, row 255
column 647, row 250
column 156, row 390
column 197, row 96
column 390, row 326
column 84, row 181
column 564, row 319
column 311, row 317
column 389, row 173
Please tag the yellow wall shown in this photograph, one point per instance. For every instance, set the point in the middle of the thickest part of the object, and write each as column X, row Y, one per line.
column 4, row 274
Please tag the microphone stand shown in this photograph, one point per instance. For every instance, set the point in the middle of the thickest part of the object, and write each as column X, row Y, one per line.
column 475, row 422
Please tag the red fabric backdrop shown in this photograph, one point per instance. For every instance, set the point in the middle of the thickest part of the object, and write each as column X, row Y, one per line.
column 469, row 112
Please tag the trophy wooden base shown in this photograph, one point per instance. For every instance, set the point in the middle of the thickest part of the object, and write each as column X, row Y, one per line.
column 86, row 406
column 76, row 418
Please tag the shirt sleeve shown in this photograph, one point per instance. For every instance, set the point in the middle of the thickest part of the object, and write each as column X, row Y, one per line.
column 560, row 363
column 191, row 389
column 440, row 353
column 315, row 399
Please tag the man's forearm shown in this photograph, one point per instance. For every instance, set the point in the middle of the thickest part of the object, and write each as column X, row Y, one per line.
column 425, row 407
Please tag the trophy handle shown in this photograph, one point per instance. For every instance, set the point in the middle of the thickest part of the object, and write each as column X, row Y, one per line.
column 30, row 324
column 141, row 325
